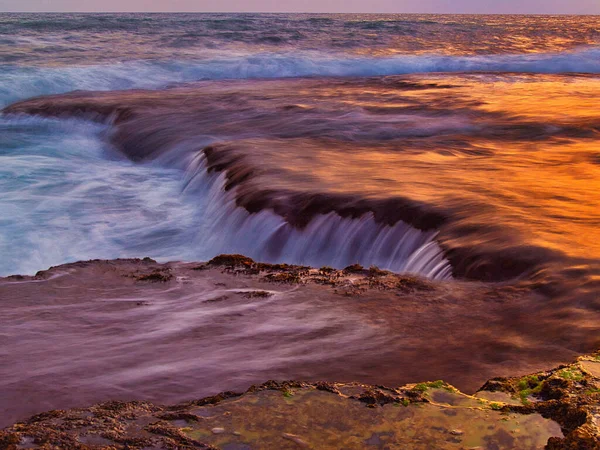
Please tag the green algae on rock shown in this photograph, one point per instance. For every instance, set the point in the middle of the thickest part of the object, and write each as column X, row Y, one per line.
column 568, row 394
column 320, row 419
column 290, row 415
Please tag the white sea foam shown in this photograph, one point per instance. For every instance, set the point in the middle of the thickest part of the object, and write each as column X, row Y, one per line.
column 328, row 240
column 20, row 82
column 67, row 197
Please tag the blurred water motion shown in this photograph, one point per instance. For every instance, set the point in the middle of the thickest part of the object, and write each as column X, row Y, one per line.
column 463, row 149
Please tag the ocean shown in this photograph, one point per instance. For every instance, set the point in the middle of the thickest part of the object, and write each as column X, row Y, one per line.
column 68, row 194
column 464, row 150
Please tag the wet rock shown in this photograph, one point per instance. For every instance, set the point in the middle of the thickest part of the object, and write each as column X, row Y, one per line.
column 257, row 294
column 566, row 394
column 231, row 260
column 179, row 415
column 283, row 277
column 157, row 276
column 340, row 415
column 409, row 284
column 354, row 268
column 375, row 271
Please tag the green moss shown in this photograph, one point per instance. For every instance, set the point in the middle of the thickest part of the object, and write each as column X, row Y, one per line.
column 438, row 384
column 571, row 374
column 528, row 382
column 496, row 406
column 528, row 385
column 523, row 395
column 404, row 402
column 288, row 393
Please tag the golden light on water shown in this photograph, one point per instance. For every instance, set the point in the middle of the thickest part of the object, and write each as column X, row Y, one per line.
column 542, row 186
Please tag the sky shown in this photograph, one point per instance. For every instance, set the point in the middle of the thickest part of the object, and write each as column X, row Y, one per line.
column 375, row 6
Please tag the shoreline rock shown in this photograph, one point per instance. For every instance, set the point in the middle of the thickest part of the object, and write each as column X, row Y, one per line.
column 556, row 408
column 561, row 405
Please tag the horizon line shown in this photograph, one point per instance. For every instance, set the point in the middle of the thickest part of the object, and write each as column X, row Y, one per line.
column 304, row 12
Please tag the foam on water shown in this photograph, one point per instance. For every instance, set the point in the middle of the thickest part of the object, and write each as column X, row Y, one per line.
column 328, row 240
column 67, row 196
column 20, row 82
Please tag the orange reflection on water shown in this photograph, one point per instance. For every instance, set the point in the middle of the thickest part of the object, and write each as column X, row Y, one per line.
column 528, row 159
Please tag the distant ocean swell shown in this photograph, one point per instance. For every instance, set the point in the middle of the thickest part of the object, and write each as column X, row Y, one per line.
column 20, row 82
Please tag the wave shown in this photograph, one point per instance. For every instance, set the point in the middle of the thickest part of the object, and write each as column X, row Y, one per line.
column 327, row 240
column 18, row 82
column 165, row 128
column 66, row 197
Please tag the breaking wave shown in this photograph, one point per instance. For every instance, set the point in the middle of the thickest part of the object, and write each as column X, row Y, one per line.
column 20, row 82
column 68, row 196
column 327, row 240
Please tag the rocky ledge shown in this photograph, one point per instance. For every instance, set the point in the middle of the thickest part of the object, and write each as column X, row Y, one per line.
column 557, row 409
